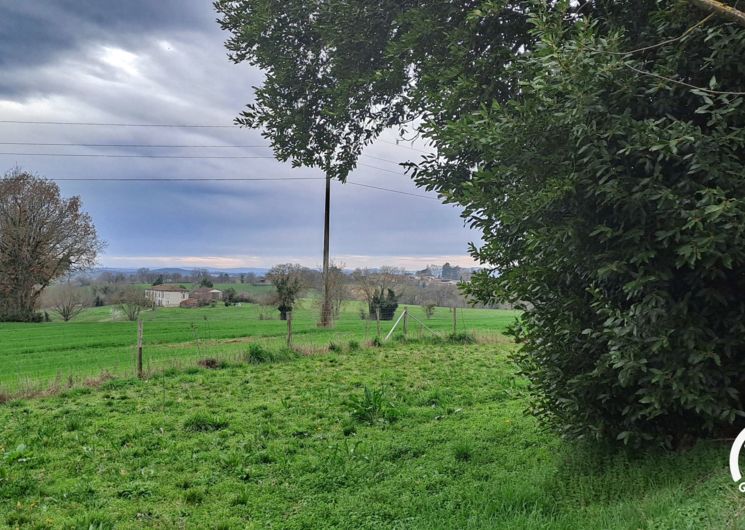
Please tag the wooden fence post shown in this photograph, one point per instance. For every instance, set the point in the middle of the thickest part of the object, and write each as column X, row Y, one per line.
column 406, row 320
column 455, row 320
column 377, row 318
column 289, row 329
column 139, row 348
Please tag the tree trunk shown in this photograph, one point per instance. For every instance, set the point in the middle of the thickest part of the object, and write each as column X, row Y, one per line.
column 723, row 10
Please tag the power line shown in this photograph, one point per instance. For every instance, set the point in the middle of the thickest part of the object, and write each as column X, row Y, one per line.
column 180, row 179
column 100, row 155
column 154, row 146
column 381, row 169
column 162, row 146
column 179, row 157
column 166, row 125
column 372, row 157
column 231, row 179
column 393, row 191
column 403, row 146
column 100, row 124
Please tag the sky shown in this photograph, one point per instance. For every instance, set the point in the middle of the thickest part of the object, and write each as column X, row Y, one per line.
column 164, row 62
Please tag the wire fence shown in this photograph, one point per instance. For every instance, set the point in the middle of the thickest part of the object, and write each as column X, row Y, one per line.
column 44, row 358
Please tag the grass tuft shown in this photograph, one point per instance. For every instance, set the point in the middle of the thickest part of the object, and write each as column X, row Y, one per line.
column 203, row 422
column 462, row 451
column 258, row 354
column 373, row 407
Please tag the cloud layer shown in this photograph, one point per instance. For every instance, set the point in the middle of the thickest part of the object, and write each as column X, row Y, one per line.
column 164, row 62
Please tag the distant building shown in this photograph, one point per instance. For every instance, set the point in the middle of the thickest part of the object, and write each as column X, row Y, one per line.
column 166, row 295
column 206, row 295
column 190, row 303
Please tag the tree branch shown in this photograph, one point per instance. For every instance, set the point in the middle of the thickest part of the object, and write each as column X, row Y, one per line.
column 714, row 6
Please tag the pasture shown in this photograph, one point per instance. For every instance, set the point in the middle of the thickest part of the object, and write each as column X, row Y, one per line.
column 100, row 340
column 440, row 441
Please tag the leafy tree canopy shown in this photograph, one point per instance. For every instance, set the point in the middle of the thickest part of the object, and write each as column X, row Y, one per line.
column 599, row 147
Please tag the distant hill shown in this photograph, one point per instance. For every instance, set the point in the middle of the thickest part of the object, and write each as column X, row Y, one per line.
column 183, row 271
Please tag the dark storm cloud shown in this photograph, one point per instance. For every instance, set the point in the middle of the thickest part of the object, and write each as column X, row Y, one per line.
column 36, row 31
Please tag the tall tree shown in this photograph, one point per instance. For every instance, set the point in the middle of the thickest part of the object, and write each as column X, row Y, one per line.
column 598, row 145
column 42, row 237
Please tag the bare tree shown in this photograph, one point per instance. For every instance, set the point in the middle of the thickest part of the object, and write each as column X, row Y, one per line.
column 337, row 286
column 131, row 302
column 338, row 289
column 42, row 237
column 67, row 300
column 369, row 282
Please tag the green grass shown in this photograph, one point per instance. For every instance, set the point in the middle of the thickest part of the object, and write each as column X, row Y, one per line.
column 96, row 340
column 283, row 445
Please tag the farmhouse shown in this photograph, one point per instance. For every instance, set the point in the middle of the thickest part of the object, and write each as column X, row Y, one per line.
column 166, row 295
column 206, row 294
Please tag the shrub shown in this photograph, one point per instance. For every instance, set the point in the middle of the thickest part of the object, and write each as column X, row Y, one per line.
column 383, row 302
column 257, row 354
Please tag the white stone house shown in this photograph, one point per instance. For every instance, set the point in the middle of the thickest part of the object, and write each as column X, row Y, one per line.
column 166, row 295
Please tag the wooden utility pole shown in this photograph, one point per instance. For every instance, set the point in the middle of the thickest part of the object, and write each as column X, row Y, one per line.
column 139, row 348
column 326, row 305
column 289, row 329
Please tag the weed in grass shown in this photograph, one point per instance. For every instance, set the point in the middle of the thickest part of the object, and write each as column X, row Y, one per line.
column 373, row 407
column 353, row 345
column 241, row 499
column 462, row 451
column 258, row 354
column 435, row 398
column 334, row 347
column 211, row 363
column 194, row 496
column 93, row 522
column 202, row 422
column 376, row 342
column 349, row 429
column 135, row 490
column 73, row 423
column 461, row 338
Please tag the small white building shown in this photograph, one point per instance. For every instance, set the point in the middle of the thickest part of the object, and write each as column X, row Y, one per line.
column 166, row 295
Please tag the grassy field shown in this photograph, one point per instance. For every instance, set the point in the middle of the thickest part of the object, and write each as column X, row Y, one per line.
column 99, row 339
column 441, row 443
